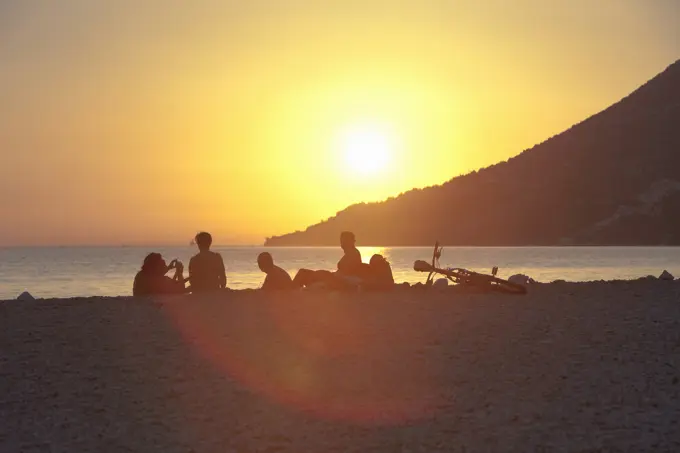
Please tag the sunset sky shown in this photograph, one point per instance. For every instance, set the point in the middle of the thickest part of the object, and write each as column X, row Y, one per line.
column 145, row 121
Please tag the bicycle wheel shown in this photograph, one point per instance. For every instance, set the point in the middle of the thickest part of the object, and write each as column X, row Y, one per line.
column 493, row 283
column 504, row 286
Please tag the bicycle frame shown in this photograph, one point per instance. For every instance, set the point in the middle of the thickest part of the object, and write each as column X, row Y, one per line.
column 464, row 276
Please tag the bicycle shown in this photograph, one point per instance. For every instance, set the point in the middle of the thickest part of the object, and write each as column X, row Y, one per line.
column 466, row 277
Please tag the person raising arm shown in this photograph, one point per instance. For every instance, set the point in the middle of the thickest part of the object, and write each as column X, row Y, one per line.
column 151, row 279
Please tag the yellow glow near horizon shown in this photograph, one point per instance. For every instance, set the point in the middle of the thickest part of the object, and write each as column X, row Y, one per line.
column 133, row 122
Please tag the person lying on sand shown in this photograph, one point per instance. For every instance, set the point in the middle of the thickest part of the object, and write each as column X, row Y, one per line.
column 277, row 278
column 151, row 279
column 374, row 276
column 351, row 273
column 350, row 267
column 206, row 268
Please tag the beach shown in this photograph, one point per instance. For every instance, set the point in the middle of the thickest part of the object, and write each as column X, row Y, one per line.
column 569, row 367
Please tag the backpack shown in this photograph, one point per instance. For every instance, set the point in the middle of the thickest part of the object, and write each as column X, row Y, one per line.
column 381, row 272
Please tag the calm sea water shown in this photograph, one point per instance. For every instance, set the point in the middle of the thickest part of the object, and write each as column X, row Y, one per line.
column 109, row 271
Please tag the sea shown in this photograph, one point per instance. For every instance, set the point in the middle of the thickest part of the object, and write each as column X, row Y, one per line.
column 62, row 272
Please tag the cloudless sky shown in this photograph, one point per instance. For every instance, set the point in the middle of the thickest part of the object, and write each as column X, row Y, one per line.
column 126, row 122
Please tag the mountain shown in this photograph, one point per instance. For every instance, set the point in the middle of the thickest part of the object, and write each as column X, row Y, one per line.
column 611, row 179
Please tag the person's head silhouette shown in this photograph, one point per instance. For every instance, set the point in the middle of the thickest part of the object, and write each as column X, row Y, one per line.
column 154, row 264
column 265, row 262
column 347, row 240
column 203, row 241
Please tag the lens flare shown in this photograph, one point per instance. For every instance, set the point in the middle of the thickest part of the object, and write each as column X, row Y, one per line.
column 332, row 356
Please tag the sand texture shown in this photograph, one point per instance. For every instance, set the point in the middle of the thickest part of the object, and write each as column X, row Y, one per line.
column 589, row 367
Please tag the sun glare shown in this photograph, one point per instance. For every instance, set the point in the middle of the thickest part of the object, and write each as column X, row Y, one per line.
column 367, row 150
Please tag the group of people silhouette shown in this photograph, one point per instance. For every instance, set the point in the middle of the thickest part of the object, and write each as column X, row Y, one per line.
column 208, row 274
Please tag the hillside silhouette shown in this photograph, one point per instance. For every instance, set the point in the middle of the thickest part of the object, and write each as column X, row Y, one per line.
column 611, row 179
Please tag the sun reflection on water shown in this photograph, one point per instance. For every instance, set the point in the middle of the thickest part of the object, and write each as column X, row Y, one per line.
column 368, row 252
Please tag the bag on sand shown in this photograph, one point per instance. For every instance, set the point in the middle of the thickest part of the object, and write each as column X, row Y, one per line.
column 381, row 277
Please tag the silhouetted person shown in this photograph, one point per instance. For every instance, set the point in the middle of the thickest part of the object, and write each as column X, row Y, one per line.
column 206, row 269
column 350, row 264
column 277, row 278
column 349, row 273
column 151, row 279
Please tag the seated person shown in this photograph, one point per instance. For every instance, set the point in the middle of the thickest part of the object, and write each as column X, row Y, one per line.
column 350, row 264
column 375, row 276
column 277, row 278
column 151, row 279
column 206, row 269
column 350, row 268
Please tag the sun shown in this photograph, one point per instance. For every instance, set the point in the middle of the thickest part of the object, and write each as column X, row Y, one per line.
column 366, row 149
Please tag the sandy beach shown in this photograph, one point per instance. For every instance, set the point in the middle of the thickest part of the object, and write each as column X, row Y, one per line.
column 570, row 367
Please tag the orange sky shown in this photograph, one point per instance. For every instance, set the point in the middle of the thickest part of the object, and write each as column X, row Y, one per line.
column 123, row 123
